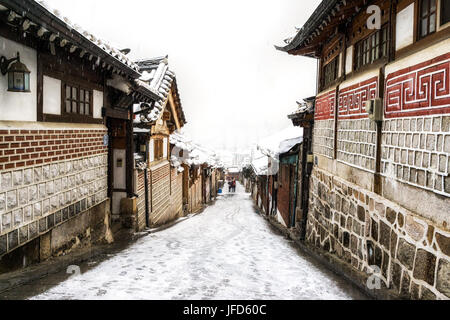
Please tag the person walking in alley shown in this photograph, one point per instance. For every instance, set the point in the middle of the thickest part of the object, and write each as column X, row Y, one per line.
column 230, row 185
column 233, row 185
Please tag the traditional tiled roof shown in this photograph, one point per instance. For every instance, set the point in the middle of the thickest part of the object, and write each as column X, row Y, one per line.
column 157, row 78
column 195, row 153
column 39, row 19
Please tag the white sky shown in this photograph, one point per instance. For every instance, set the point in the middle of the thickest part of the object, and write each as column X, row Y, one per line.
column 234, row 86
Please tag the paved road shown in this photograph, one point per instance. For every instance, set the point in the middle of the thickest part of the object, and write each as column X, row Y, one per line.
column 227, row 252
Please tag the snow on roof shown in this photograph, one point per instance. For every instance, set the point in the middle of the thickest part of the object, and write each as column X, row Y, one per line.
column 102, row 44
column 157, row 78
column 281, row 142
column 195, row 154
column 260, row 165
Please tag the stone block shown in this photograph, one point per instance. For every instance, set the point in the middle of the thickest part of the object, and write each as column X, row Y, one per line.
column 11, row 199
column 42, row 225
column 424, row 267
column 431, row 142
column 405, row 254
column 413, row 229
column 393, row 243
column 406, row 283
column 28, row 176
column 3, row 244
column 427, row 294
column 443, row 277
column 400, row 220
column 374, row 229
column 23, row 196
column 2, row 202
column 385, row 235
column 361, row 212
column 17, row 177
column 346, row 239
column 391, row 215
column 6, row 181
column 436, row 124
column 13, row 240
column 33, row 229
column 444, row 243
column 23, row 234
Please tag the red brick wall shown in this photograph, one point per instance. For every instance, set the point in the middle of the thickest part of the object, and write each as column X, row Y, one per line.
column 23, row 148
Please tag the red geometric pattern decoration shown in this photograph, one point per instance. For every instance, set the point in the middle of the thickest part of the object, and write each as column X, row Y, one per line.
column 423, row 89
column 351, row 99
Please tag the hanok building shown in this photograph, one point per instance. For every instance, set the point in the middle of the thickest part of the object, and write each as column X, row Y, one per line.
column 159, row 185
column 61, row 115
column 380, row 186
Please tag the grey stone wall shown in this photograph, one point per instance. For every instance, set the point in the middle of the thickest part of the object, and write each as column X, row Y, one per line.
column 416, row 151
column 365, row 230
column 323, row 138
column 356, row 143
column 35, row 199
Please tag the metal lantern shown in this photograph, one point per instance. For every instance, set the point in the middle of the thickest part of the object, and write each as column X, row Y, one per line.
column 18, row 74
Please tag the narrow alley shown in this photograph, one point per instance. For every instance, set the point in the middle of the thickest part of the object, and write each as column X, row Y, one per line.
column 226, row 252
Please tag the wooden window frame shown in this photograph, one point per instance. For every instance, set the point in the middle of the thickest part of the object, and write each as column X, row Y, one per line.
column 444, row 20
column 429, row 14
column 158, row 145
column 77, row 101
column 375, row 44
column 330, row 67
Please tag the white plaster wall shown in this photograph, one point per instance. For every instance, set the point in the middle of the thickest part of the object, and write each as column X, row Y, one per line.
column 360, row 77
column 349, row 60
column 15, row 105
column 404, row 35
column 165, row 148
column 152, row 150
column 429, row 53
column 119, row 172
column 52, row 96
column 98, row 104
column 341, row 59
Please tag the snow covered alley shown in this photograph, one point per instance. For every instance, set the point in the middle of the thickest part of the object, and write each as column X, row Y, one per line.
column 226, row 252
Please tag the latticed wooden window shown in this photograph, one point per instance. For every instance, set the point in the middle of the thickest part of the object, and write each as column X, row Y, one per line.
column 371, row 48
column 159, row 149
column 331, row 71
column 445, row 12
column 77, row 100
column 427, row 18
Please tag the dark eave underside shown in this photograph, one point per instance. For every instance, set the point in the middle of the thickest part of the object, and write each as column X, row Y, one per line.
column 39, row 15
column 322, row 25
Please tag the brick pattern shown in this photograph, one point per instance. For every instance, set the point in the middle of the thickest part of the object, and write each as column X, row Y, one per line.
column 141, row 213
column 176, row 195
column 25, row 148
column 356, row 143
column 323, row 138
column 160, row 186
column 366, row 230
column 47, row 194
column 416, row 151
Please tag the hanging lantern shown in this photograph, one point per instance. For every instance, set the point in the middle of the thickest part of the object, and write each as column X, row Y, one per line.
column 18, row 74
